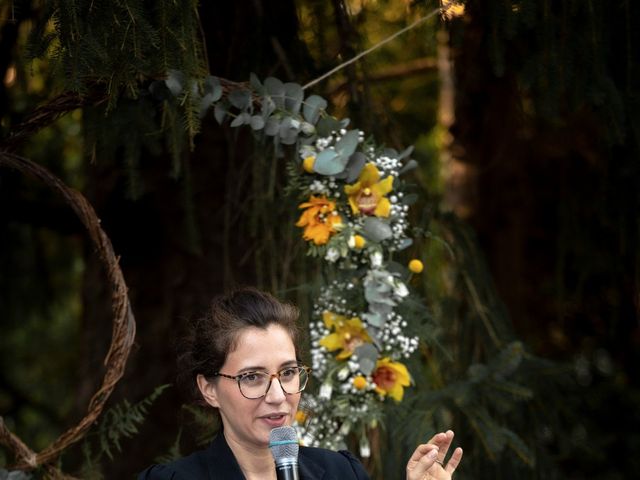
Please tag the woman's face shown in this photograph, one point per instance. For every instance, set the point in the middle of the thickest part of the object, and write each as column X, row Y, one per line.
column 247, row 421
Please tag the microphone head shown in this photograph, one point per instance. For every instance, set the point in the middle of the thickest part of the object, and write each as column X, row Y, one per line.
column 283, row 442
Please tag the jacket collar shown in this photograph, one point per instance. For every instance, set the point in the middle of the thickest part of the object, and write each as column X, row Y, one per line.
column 222, row 464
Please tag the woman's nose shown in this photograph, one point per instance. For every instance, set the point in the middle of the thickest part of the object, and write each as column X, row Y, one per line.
column 275, row 394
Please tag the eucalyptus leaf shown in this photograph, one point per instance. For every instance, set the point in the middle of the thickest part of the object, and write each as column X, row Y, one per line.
column 275, row 89
column 257, row 122
column 255, row 83
column 406, row 152
column 212, row 86
column 268, row 106
column 204, row 104
column 410, row 199
column 313, row 105
column 220, row 112
column 376, row 230
column 293, row 96
column 243, row 119
column 329, row 162
column 390, row 152
column 375, row 319
column 240, row 99
column 367, row 357
column 272, row 127
column 356, row 163
column 289, row 129
column 326, row 125
column 405, row 243
column 175, row 81
column 410, row 165
column 348, row 143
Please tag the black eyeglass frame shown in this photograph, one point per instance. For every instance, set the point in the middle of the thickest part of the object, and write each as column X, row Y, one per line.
column 237, row 378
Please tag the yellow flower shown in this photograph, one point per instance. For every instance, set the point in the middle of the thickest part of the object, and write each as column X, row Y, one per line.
column 300, row 417
column 416, row 266
column 391, row 378
column 357, row 241
column 367, row 195
column 307, row 163
column 348, row 334
column 320, row 220
column 360, row 382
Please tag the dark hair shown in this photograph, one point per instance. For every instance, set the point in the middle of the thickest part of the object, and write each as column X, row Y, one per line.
column 211, row 338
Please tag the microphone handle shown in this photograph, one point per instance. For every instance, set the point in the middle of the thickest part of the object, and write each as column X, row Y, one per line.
column 288, row 471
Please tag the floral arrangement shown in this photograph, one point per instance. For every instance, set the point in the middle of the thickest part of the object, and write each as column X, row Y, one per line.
column 354, row 216
column 355, row 219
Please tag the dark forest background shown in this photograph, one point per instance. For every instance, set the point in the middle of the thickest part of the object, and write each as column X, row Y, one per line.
column 525, row 118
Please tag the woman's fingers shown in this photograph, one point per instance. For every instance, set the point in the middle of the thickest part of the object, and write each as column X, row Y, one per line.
column 443, row 442
column 454, row 461
column 421, row 461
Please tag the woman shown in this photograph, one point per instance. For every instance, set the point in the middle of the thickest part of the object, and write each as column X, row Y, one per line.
column 242, row 359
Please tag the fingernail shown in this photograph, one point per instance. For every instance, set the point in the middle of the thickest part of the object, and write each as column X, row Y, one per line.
column 432, row 454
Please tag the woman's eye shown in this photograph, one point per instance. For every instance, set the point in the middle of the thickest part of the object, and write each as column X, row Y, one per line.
column 289, row 372
column 250, row 377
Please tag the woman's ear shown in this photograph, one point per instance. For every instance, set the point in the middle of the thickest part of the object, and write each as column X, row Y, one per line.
column 208, row 391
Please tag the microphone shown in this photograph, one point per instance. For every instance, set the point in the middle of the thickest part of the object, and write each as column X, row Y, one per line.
column 283, row 443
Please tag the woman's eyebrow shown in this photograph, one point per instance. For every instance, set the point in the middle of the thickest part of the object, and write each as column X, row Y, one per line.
column 288, row 363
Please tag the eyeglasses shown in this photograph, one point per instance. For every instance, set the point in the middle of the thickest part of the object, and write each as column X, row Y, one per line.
column 254, row 385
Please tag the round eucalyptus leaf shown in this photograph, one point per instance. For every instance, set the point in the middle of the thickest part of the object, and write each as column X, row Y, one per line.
column 255, row 83
column 268, row 106
column 243, row 119
column 272, row 127
column 356, row 163
column 293, row 95
column 376, row 230
column 329, row 162
column 375, row 319
column 405, row 243
column 175, row 81
column 326, row 125
column 257, row 122
column 212, row 86
column 205, row 103
column 348, row 143
column 367, row 357
column 220, row 112
column 275, row 89
column 312, row 107
column 240, row 99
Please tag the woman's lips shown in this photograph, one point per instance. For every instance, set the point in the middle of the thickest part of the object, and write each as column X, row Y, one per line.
column 275, row 420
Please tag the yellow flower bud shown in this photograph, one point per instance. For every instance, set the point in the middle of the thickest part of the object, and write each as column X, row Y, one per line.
column 359, row 242
column 308, row 162
column 416, row 266
column 360, row 382
column 300, row 417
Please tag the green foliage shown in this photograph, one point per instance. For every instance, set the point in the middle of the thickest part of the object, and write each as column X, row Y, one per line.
column 116, row 424
column 116, row 44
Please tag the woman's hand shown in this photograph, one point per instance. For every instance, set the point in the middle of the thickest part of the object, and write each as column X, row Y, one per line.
column 427, row 462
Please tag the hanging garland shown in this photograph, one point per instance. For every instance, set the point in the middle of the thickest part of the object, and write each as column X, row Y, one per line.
column 354, row 217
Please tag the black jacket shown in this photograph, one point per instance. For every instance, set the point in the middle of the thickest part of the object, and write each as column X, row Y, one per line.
column 218, row 463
